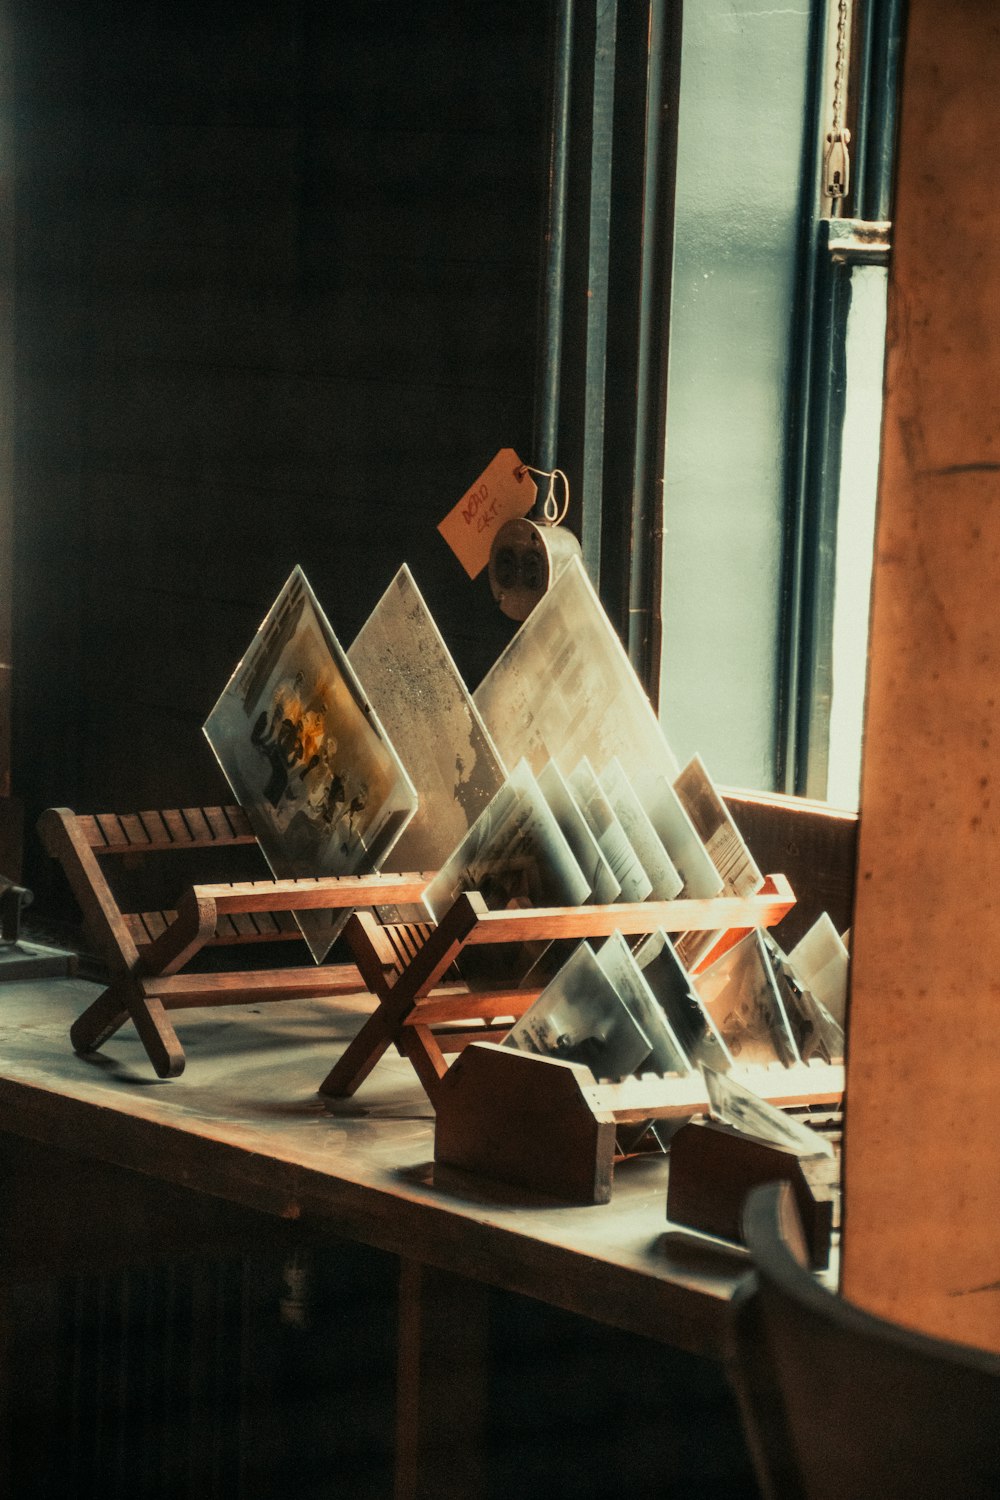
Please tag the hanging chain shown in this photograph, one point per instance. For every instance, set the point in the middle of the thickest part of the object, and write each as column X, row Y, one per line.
column 839, row 70
column 836, row 161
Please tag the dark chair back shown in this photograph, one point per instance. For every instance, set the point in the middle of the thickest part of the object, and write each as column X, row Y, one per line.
column 837, row 1403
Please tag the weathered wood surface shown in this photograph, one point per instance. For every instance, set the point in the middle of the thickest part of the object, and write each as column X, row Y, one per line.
column 813, row 844
column 244, row 1124
column 922, row 1159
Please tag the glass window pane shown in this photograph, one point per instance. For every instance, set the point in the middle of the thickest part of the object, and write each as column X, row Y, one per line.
column 741, row 136
column 856, row 528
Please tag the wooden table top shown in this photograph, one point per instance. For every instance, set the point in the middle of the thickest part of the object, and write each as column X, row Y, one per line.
column 245, row 1124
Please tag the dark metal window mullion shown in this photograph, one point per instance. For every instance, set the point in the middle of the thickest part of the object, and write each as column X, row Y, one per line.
column 809, row 367
column 819, row 377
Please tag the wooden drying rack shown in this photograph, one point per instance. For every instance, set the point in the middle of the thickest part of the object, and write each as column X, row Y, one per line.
column 145, row 950
column 548, row 1125
column 404, row 968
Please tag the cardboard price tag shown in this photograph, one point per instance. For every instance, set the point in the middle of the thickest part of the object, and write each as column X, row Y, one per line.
column 500, row 494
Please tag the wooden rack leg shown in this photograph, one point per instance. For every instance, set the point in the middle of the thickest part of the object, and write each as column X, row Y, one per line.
column 357, row 1060
column 110, row 1011
column 99, row 1021
column 419, row 1044
column 157, row 1036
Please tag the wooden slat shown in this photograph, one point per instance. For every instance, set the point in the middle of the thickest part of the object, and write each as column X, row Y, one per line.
column 156, row 830
column 375, row 955
column 674, row 1097
column 239, row 824
column 245, row 924
column 457, row 1038
column 167, row 828
column 264, row 922
column 90, row 831
column 632, row 918
column 401, row 948
column 134, row 831
column 413, row 937
column 455, row 1004
column 61, row 836
column 179, row 831
column 243, row 986
column 201, row 833
column 145, row 927
column 114, row 834
column 310, row 895
column 403, row 942
column 277, row 927
column 136, row 927
column 219, row 824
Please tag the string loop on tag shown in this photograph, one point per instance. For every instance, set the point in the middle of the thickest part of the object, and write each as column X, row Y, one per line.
column 553, row 514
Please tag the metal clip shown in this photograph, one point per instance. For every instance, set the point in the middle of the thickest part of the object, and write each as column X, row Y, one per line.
column 837, row 164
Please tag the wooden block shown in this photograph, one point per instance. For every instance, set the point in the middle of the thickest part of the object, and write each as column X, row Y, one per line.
column 525, row 1120
column 713, row 1168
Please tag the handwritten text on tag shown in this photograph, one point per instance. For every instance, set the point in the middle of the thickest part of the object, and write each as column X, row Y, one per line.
column 503, row 491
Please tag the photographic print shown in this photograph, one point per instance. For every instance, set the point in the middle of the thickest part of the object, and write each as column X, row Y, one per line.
column 514, row 855
column 665, row 882
column 815, row 1031
column 724, row 844
column 614, row 843
column 415, row 688
column 580, row 1017
column 717, row 831
column 732, row 1103
column 616, row 962
column 689, row 1020
column 820, row 962
column 564, row 688
column 740, row 993
column 680, row 838
column 604, row 888
column 324, row 790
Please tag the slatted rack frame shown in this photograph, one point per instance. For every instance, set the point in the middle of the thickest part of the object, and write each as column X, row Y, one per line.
column 145, row 951
column 549, row 1125
column 426, row 1019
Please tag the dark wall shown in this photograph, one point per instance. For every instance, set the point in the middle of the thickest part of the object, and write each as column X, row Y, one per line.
column 277, row 295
